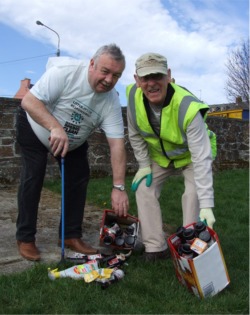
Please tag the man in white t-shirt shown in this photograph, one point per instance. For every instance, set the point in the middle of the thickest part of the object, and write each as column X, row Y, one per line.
column 57, row 115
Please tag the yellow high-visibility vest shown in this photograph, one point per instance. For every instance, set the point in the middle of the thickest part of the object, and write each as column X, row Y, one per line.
column 171, row 143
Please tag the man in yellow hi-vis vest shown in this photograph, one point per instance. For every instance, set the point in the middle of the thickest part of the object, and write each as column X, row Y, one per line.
column 168, row 133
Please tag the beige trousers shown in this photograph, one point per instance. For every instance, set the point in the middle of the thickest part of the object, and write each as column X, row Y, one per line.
column 149, row 210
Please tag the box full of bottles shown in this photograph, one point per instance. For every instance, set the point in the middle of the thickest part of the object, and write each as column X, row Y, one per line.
column 198, row 259
column 118, row 232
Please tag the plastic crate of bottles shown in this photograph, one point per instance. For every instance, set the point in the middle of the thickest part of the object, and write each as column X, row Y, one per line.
column 118, row 232
column 198, row 260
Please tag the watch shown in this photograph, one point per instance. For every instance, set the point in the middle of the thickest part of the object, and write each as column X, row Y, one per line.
column 119, row 187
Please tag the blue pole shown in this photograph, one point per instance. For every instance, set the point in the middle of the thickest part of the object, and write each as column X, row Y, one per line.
column 62, row 206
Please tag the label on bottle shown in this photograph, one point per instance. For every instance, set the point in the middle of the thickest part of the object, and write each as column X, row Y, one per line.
column 199, row 246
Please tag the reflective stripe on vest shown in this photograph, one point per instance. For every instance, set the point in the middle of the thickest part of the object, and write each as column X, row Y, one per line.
column 132, row 102
column 182, row 113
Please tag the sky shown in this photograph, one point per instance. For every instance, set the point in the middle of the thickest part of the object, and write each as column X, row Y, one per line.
column 196, row 37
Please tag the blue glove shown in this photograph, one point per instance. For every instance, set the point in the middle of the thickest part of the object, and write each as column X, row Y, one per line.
column 207, row 216
column 145, row 172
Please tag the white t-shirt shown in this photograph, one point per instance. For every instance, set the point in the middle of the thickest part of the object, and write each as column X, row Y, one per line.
column 66, row 93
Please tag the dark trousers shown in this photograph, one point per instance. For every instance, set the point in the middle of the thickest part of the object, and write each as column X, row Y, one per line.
column 34, row 160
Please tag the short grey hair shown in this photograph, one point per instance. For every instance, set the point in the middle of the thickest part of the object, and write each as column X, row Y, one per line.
column 113, row 50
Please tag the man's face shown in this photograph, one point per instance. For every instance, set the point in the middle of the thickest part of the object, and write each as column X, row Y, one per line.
column 104, row 73
column 154, row 87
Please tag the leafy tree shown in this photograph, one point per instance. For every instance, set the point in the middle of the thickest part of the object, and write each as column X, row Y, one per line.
column 237, row 85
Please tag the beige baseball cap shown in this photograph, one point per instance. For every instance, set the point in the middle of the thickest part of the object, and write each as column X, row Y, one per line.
column 151, row 63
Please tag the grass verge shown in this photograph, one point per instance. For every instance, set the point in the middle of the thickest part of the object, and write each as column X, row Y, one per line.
column 146, row 288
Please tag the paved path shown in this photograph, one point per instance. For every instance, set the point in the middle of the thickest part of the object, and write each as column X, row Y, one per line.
column 47, row 229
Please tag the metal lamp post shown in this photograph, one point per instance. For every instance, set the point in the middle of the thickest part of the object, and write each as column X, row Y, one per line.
column 58, row 47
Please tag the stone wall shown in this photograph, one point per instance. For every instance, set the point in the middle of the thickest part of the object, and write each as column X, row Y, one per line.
column 232, row 142
column 232, row 138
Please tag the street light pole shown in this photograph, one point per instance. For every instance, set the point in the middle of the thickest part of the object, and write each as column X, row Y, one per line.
column 58, row 47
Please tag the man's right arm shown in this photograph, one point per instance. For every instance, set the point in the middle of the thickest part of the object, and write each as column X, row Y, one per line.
column 38, row 112
column 139, row 145
column 141, row 153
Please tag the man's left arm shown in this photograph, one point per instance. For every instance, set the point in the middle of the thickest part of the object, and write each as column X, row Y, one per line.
column 200, row 149
column 119, row 198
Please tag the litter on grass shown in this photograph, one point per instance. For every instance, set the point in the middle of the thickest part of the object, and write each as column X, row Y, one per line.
column 102, row 269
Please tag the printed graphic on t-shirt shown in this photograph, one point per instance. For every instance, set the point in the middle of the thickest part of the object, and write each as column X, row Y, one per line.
column 76, row 118
column 81, row 122
column 84, row 115
column 71, row 128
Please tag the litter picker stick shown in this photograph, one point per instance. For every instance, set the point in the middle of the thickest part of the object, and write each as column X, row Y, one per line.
column 62, row 210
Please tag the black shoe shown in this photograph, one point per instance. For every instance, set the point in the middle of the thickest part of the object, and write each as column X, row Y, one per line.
column 154, row 256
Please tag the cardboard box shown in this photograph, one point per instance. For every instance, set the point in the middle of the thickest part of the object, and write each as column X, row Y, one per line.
column 110, row 217
column 206, row 274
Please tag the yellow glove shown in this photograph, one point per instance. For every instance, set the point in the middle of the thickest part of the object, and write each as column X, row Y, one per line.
column 145, row 172
column 207, row 216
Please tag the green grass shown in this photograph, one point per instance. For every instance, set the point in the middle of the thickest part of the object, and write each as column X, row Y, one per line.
column 146, row 288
